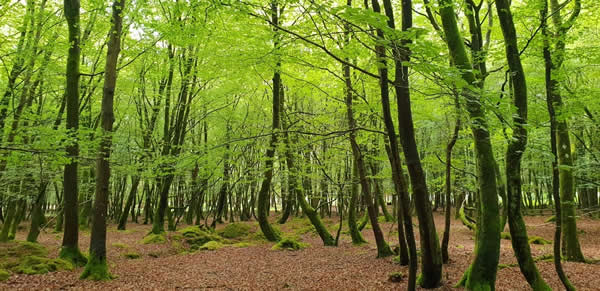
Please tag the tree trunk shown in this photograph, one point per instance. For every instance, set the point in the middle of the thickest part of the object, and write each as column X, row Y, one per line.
column 70, row 244
column 515, row 150
column 11, row 213
column 482, row 273
column 355, row 234
column 312, row 214
column 263, row 194
column 570, row 241
column 135, row 181
column 431, row 267
column 96, row 268
column 553, row 144
column 37, row 215
column 448, row 187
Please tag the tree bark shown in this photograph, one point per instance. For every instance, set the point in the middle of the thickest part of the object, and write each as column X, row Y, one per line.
column 515, row 150
column 570, row 241
column 482, row 273
column 135, row 181
column 70, row 244
column 431, row 267
column 448, row 187
column 553, row 145
column 263, row 194
column 96, row 267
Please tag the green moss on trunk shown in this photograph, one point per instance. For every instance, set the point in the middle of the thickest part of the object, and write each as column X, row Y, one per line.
column 355, row 234
column 96, row 269
column 482, row 274
column 73, row 255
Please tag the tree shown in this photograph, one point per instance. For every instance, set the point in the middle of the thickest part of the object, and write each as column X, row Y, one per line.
column 263, row 194
column 70, row 244
column 482, row 273
column 448, row 186
column 515, row 150
column 96, row 267
column 431, row 271
column 554, row 58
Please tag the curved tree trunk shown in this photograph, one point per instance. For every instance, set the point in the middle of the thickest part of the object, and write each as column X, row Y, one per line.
column 515, row 150
column 355, row 234
column 263, row 194
column 448, row 188
column 135, row 181
column 37, row 215
column 555, row 172
column 570, row 241
column 482, row 273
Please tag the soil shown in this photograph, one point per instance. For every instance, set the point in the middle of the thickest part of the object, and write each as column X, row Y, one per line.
column 258, row 267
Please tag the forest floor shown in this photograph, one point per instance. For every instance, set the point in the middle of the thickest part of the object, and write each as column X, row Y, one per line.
column 255, row 266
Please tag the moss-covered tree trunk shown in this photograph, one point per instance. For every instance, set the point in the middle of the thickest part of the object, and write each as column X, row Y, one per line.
column 70, row 244
column 8, row 219
column 164, row 185
column 571, row 248
column 431, row 267
column 481, row 275
column 307, row 208
column 515, row 150
column 287, row 193
column 19, row 216
column 556, row 55
column 355, row 234
column 502, row 193
column 383, row 249
column 37, row 212
column 550, row 83
column 263, row 194
column 96, row 267
column 448, row 188
column 135, row 181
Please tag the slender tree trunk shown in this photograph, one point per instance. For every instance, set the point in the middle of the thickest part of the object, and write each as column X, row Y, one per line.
column 515, row 150
column 225, row 190
column 482, row 273
column 37, row 215
column 448, row 188
column 431, row 267
column 292, row 180
column 570, row 241
column 503, row 195
column 263, row 194
column 312, row 214
column 96, row 267
column 355, row 233
column 8, row 220
column 379, row 195
column 553, row 145
column 135, row 181
column 19, row 216
column 70, row 243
